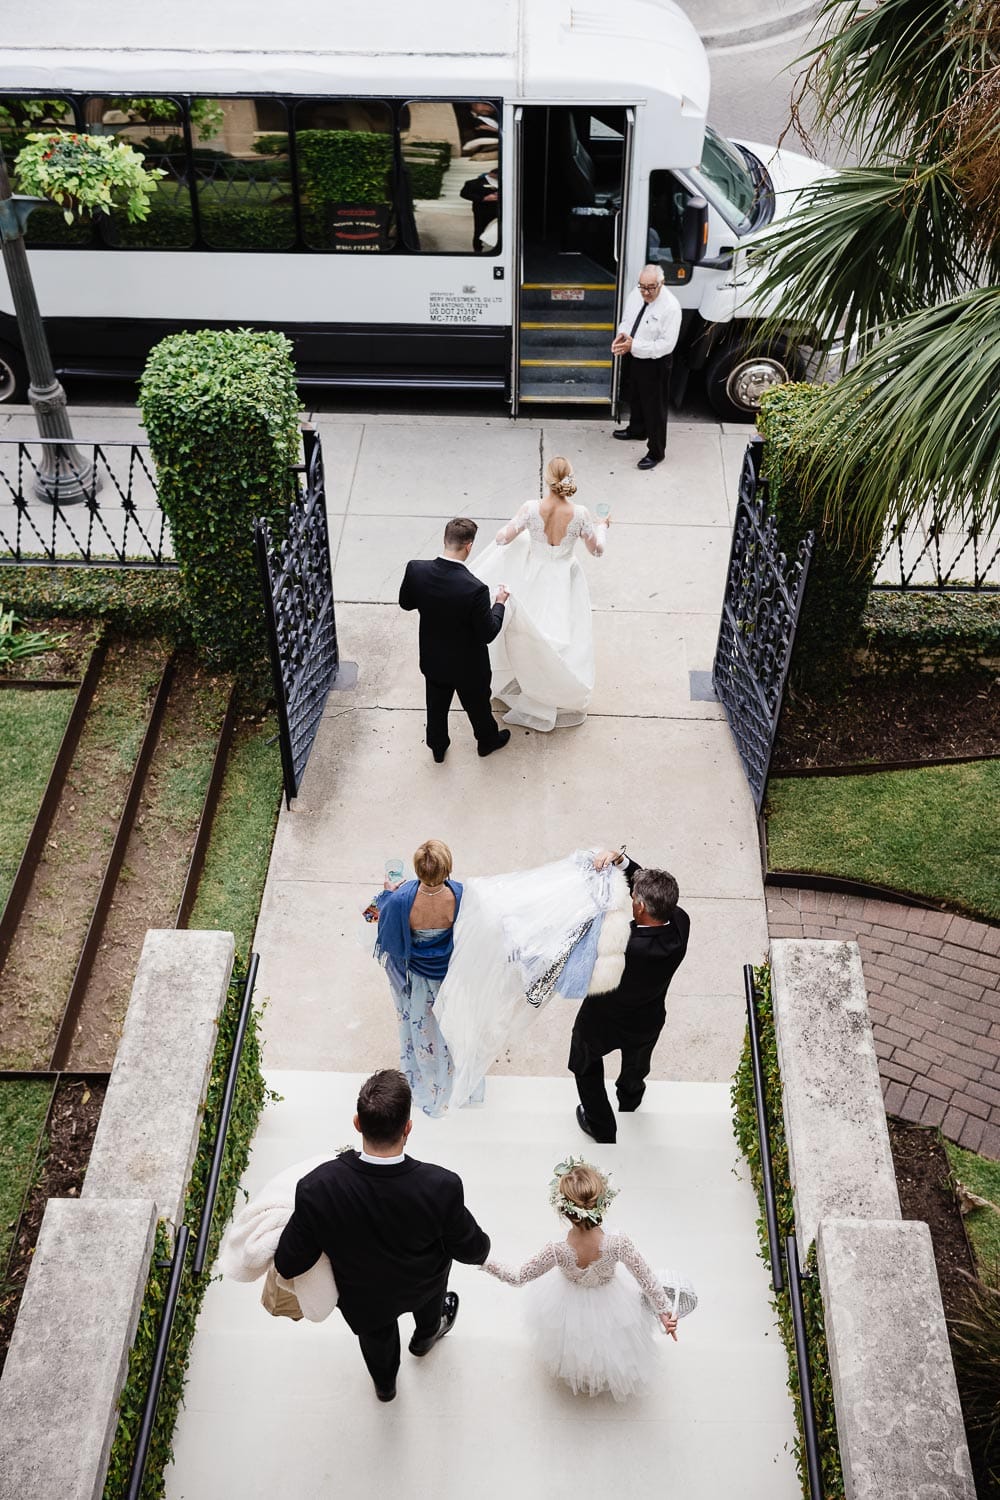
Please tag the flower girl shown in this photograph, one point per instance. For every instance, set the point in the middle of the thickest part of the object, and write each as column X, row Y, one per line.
column 593, row 1324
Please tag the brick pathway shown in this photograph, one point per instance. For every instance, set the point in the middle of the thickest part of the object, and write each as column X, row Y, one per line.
column 934, row 994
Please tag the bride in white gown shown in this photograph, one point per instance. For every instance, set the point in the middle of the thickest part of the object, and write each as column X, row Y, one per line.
column 543, row 659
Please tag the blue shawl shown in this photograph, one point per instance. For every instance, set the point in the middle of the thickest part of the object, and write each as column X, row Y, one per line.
column 394, row 947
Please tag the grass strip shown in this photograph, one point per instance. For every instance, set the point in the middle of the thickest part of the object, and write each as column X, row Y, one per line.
column 232, row 883
column 931, row 832
column 980, row 1176
column 31, row 728
column 23, row 1103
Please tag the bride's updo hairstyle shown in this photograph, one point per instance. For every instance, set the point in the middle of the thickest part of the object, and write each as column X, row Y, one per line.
column 559, row 478
column 581, row 1195
column 432, row 862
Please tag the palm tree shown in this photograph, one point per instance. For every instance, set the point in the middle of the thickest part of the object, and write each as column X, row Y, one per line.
column 902, row 256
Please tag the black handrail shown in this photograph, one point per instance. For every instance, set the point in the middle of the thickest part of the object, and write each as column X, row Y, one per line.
column 767, row 1170
column 813, row 1468
column 211, row 1191
column 159, row 1364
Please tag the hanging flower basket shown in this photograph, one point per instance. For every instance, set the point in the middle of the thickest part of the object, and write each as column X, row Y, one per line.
column 86, row 174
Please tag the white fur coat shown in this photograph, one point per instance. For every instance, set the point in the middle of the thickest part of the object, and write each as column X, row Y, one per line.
column 615, row 929
column 248, row 1247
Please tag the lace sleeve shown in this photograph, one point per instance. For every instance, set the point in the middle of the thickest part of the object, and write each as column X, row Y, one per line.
column 630, row 1258
column 530, row 1271
column 513, row 528
column 594, row 535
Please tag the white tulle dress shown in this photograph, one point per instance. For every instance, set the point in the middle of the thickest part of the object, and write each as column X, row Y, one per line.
column 543, row 658
column 594, row 1326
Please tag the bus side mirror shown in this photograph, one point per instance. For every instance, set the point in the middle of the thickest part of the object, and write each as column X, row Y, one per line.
column 694, row 231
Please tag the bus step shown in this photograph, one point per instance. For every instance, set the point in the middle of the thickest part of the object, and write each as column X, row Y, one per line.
column 586, row 299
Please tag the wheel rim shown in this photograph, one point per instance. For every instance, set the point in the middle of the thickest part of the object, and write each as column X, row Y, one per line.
column 754, row 375
column 8, row 380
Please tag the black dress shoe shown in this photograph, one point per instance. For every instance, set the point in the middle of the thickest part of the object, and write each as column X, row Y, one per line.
column 420, row 1347
column 624, row 436
column 648, row 462
column 439, row 755
column 502, row 739
column 587, row 1128
column 389, row 1395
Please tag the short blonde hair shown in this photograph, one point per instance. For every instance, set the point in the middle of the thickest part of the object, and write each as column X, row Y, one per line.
column 584, row 1186
column 559, row 477
column 432, row 862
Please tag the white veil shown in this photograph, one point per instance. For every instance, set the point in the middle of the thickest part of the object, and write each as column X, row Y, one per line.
column 512, row 937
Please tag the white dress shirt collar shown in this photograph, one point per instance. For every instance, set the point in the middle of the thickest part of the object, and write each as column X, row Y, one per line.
column 382, row 1161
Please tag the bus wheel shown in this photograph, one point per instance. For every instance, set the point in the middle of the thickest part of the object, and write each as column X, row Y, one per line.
column 13, row 375
column 737, row 376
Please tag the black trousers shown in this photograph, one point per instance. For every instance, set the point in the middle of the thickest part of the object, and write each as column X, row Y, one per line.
column 380, row 1346
column 649, row 395
column 586, row 1062
column 474, row 698
column 483, row 215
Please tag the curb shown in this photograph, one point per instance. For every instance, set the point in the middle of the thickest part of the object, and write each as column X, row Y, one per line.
column 730, row 37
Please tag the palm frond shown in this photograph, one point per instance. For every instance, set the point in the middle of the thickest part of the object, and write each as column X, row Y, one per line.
column 866, row 247
column 915, row 425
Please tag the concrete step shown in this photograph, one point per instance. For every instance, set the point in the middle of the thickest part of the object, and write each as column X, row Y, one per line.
column 279, row 1408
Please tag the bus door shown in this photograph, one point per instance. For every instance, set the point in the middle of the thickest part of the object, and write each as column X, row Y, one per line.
column 573, row 167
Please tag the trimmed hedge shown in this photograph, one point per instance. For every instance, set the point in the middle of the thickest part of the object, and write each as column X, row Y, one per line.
column 249, row 226
column 748, row 1140
column 922, row 631
column 132, row 601
column 344, row 166
column 247, row 1106
column 426, row 178
column 221, row 410
column 841, row 570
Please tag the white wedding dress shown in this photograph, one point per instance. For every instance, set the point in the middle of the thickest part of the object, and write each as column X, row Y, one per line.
column 543, row 658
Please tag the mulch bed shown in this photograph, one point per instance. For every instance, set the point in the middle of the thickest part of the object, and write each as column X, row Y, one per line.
column 68, row 661
column 75, row 1114
column 878, row 718
column 923, row 1177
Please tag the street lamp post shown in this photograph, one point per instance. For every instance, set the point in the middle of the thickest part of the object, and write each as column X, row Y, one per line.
column 64, row 475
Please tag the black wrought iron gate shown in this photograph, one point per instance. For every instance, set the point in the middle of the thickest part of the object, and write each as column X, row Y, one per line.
column 302, row 629
column 759, row 614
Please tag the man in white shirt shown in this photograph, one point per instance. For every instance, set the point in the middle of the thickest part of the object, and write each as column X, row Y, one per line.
column 648, row 331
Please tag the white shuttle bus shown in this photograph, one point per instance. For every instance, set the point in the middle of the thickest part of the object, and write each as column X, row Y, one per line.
column 441, row 195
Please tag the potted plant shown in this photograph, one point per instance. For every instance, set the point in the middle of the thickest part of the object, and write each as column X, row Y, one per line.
column 86, row 174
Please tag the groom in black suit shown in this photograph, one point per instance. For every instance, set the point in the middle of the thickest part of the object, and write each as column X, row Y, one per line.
column 391, row 1227
column 631, row 1017
column 457, row 623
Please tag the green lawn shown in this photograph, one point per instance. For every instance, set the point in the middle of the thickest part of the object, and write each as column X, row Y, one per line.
column 231, row 887
column 981, row 1177
column 932, row 832
column 31, row 727
column 23, row 1104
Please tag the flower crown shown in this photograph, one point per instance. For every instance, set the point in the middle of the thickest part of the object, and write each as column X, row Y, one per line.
column 564, row 1205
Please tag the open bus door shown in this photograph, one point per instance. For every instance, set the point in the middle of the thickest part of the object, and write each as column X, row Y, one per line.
column 572, row 172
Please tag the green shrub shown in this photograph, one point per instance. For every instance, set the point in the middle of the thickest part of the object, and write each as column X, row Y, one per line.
column 46, row 226
column 916, row 631
column 748, row 1140
column 344, row 166
column 169, row 226
column 975, row 1343
column 247, row 1106
column 253, row 226
column 133, row 601
column 221, row 411
column 426, row 178
column 271, row 145
column 840, row 574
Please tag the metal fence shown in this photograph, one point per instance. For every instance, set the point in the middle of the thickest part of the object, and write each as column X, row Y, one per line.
column 81, row 503
column 928, row 555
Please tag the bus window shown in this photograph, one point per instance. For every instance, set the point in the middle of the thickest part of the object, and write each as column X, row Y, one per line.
column 666, row 218
column 343, row 151
column 451, row 177
column 20, row 118
column 155, row 127
column 243, row 174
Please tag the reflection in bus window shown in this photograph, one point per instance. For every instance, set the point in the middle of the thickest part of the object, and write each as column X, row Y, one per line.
column 243, row 174
column 451, row 189
column 666, row 217
column 154, row 127
column 343, row 148
column 20, row 118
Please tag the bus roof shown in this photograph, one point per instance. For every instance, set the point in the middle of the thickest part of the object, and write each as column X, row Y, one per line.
column 589, row 51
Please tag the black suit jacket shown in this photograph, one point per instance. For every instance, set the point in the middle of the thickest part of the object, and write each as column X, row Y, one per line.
column 633, row 1013
column 391, row 1234
column 457, row 620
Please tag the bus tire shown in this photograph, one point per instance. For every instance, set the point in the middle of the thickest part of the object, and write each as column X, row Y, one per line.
column 738, row 375
column 13, row 375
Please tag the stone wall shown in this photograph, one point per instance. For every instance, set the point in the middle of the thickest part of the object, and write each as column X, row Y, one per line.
column 899, row 1422
column 68, row 1355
